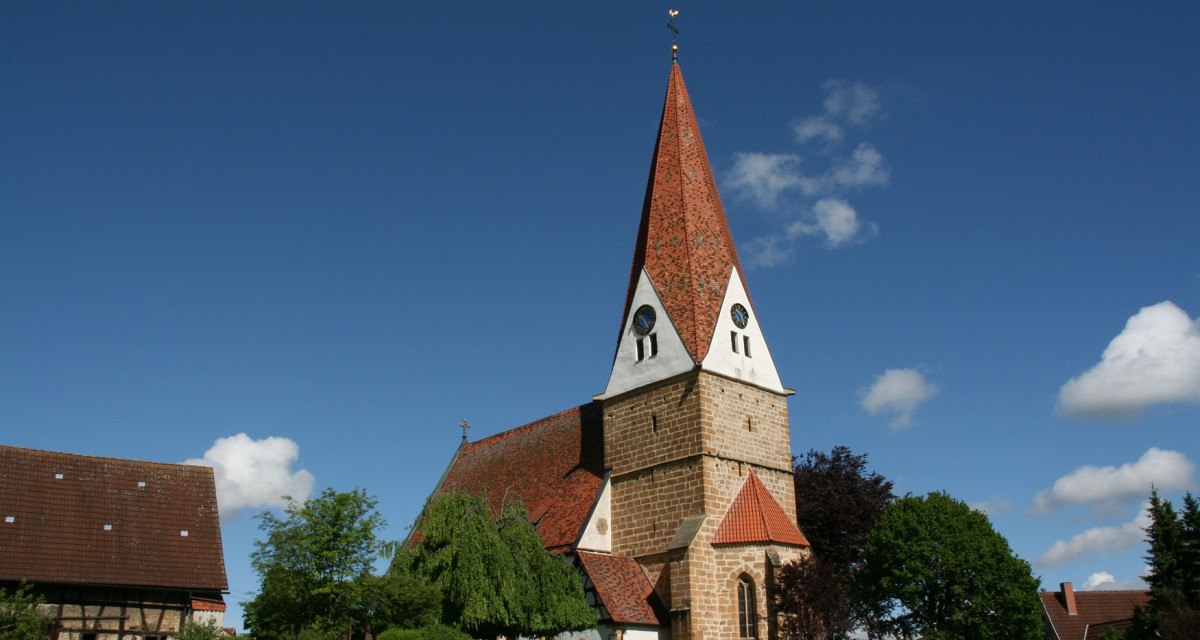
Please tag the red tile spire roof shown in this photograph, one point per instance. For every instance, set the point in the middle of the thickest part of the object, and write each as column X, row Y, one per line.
column 684, row 241
column 755, row 517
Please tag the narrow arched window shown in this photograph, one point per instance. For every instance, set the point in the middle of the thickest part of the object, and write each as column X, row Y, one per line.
column 747, row 612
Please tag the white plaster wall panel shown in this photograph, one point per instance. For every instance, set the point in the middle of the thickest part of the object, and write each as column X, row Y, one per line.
column 597, row 533
column 672, row 358
column 759, row 368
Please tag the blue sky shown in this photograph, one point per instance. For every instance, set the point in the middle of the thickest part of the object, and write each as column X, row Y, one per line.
column 341, row 230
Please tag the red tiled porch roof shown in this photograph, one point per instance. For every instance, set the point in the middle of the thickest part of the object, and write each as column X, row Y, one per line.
column 624, row 590
column 755, row 517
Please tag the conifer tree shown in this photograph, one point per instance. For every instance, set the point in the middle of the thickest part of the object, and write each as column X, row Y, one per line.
column 1174, row 581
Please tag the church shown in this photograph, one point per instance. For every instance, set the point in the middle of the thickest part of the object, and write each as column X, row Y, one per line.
column 671, row 491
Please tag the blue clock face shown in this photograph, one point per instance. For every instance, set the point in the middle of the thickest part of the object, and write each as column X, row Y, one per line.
column 643, row 320
column 740, row 315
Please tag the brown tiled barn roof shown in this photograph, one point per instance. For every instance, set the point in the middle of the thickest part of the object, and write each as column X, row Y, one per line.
column 554, row 466
column 1096, row 611
column 67, row 518
column 755, row 517
column 684, row 241
column 624, row 590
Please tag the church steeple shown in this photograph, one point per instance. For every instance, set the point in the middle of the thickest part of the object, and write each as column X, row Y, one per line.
column 686, row 268
column 683, row 242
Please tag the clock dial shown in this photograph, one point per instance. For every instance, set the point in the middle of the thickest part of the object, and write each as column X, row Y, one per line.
column 740, row 315
column 643, row 320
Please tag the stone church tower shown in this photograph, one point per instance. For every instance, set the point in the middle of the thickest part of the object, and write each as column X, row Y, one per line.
column 696, row 440
column 671, row 492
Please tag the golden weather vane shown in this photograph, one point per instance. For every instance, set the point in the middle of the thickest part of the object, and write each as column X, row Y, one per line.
column 674, row 33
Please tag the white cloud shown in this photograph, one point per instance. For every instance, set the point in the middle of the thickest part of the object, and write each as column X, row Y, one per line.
column 1097, row 540
column 255, row 473
column 815, row 199
column 831, row 219
column 817, row 127
column 864, row 167
column 1155, row 360
column 900, row 391
column 1107, row 486
column 763, row 177
column 845, row 102
column 993, row 506
column 1098, row 580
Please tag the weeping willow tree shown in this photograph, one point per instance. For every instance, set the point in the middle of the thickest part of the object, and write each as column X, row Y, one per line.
column 495, row 576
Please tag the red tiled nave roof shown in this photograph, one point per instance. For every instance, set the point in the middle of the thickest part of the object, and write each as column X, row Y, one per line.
column 623, row 589
column 684, row 241
column 554, row 466
column 756, row 517
column 67, row 518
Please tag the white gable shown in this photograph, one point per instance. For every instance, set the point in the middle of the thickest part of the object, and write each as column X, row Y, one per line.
column 727, row 353
column 597, row 533
column 672, row 358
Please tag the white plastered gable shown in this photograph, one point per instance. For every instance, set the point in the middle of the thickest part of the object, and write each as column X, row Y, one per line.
column 628, row 371
column 597, row 532
column 724, row 358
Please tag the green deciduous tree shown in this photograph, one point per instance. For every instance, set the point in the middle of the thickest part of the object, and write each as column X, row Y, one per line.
column 495, row 576
column 934, row 566
column 315, row 566
column 197, row 631
column 19, row 617
column 837, row 503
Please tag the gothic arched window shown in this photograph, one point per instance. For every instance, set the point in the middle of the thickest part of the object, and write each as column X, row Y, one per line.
column 747, row 612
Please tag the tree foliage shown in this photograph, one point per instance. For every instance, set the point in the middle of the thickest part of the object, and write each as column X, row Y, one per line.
column 934, row 566
column 495, row 576
column 197, row 631
column 837, row 503
column 315, row 567
column 19, row 617
column 1174, row 577
column 428, row 632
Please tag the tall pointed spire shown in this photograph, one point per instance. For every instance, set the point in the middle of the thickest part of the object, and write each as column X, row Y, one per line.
column 684, row 242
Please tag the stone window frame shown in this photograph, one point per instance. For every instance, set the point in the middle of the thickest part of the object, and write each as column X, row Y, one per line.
column 747, row 607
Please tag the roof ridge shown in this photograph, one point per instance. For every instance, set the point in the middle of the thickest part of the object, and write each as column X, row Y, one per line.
column 526, row 426
column 47, row 452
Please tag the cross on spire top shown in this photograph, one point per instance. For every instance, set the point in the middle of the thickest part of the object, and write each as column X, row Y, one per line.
column 674, row 33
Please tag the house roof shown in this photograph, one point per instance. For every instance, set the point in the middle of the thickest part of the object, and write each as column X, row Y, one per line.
column 624, row 590
column 683, row 241
column 67, row 518
column 755, row 517
column 1097, row 610
column 554, row 466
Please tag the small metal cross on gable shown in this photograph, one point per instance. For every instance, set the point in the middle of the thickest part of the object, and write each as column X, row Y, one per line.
column 464, row 426
column 674, row 33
